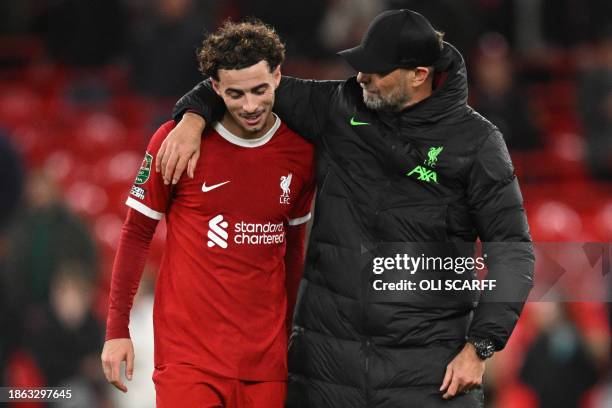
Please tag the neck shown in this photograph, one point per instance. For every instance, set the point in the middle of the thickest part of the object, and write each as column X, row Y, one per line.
column 235, row 128
column 421, row 93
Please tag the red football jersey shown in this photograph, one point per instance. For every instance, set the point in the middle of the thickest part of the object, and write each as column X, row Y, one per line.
column 220, row 297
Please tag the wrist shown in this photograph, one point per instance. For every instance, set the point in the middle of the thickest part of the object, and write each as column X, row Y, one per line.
column 193, row 119
column 483, row 347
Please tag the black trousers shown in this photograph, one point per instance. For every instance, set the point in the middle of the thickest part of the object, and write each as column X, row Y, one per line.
column 305, row 393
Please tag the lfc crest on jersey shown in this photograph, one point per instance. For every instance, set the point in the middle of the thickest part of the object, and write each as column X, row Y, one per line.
column 285, row 184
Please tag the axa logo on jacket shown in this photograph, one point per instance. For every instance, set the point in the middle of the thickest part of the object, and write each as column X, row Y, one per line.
column 425, row 174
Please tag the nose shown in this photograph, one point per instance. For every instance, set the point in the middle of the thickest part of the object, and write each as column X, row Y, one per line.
column 250, row 103
column 363, row 78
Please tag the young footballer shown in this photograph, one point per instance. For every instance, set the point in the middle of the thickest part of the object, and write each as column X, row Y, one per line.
column 235, row 242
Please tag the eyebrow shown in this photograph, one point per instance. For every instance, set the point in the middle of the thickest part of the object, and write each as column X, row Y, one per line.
column 259, row 87
column 254, row 89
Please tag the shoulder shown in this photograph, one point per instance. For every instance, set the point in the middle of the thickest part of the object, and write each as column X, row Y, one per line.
column 488, row 138
column 491, row 159
column 481, row 127
column 481, row 148
column 160, row 135
column 471, row 132
column 294, row 139
column 296, row 150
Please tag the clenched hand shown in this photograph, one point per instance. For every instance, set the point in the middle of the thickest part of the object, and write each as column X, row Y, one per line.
column 180, row 149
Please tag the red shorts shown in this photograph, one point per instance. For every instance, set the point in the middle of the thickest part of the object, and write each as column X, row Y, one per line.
column 179, row 385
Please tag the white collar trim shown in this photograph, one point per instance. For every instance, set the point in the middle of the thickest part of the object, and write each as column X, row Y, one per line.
column 260, row 141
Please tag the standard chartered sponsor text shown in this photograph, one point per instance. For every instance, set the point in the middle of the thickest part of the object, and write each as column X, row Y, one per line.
column 258, row 234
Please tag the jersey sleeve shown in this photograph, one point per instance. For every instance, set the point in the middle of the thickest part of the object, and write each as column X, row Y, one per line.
column 149, row 195
column 132, row 249
column 300, row 212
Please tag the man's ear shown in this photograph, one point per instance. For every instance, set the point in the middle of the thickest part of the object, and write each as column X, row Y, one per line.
column 421, row 74
column 215, row 85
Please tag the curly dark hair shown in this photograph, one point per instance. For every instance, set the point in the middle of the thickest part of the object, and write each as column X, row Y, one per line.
column 240, row 45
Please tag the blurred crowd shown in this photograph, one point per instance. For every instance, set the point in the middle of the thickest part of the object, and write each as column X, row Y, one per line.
column 84, row 83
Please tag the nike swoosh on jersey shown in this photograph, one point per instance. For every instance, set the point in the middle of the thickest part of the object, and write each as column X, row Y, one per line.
column 207, row 189
column 358, row 123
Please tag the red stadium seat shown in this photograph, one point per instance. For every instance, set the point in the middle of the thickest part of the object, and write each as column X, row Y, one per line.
column 556, row 221
column 17, row 103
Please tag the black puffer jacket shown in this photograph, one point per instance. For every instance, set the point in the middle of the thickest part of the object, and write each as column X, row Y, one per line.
column 383, row 179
